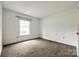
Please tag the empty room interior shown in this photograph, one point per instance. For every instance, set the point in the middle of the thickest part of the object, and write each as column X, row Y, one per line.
column 39, row 28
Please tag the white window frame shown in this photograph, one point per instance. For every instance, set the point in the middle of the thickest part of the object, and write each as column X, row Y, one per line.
column 27, row 25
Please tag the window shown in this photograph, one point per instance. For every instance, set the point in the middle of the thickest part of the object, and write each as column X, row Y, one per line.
column 24, row 27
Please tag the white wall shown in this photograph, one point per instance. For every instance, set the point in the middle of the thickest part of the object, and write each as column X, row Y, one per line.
column 0, row 28
column 77, row 16
column 11, row 27
column 61, row 27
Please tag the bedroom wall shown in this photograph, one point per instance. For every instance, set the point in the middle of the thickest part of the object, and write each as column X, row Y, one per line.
column 61, row 27
column 10, row 27
column 77, row 16
column 0, row 28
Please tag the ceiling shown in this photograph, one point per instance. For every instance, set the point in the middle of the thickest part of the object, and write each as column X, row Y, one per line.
column 39, row 9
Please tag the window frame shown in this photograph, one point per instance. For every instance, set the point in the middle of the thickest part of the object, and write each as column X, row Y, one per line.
column 28, row 28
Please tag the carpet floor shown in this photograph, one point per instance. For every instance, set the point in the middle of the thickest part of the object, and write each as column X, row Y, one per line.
column 39, row 48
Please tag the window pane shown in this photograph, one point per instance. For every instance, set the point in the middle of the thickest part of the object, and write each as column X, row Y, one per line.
column 24, row 27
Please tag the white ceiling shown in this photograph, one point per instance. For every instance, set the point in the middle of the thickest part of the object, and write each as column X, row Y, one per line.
column 38, row 9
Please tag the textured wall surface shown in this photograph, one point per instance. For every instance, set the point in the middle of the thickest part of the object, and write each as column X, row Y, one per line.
column 0, row 28
column 61, row 27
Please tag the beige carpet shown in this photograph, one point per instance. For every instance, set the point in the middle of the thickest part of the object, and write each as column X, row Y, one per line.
column 38, row 48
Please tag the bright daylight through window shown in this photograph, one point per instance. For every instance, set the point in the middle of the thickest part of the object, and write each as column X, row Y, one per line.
column 24, row 27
